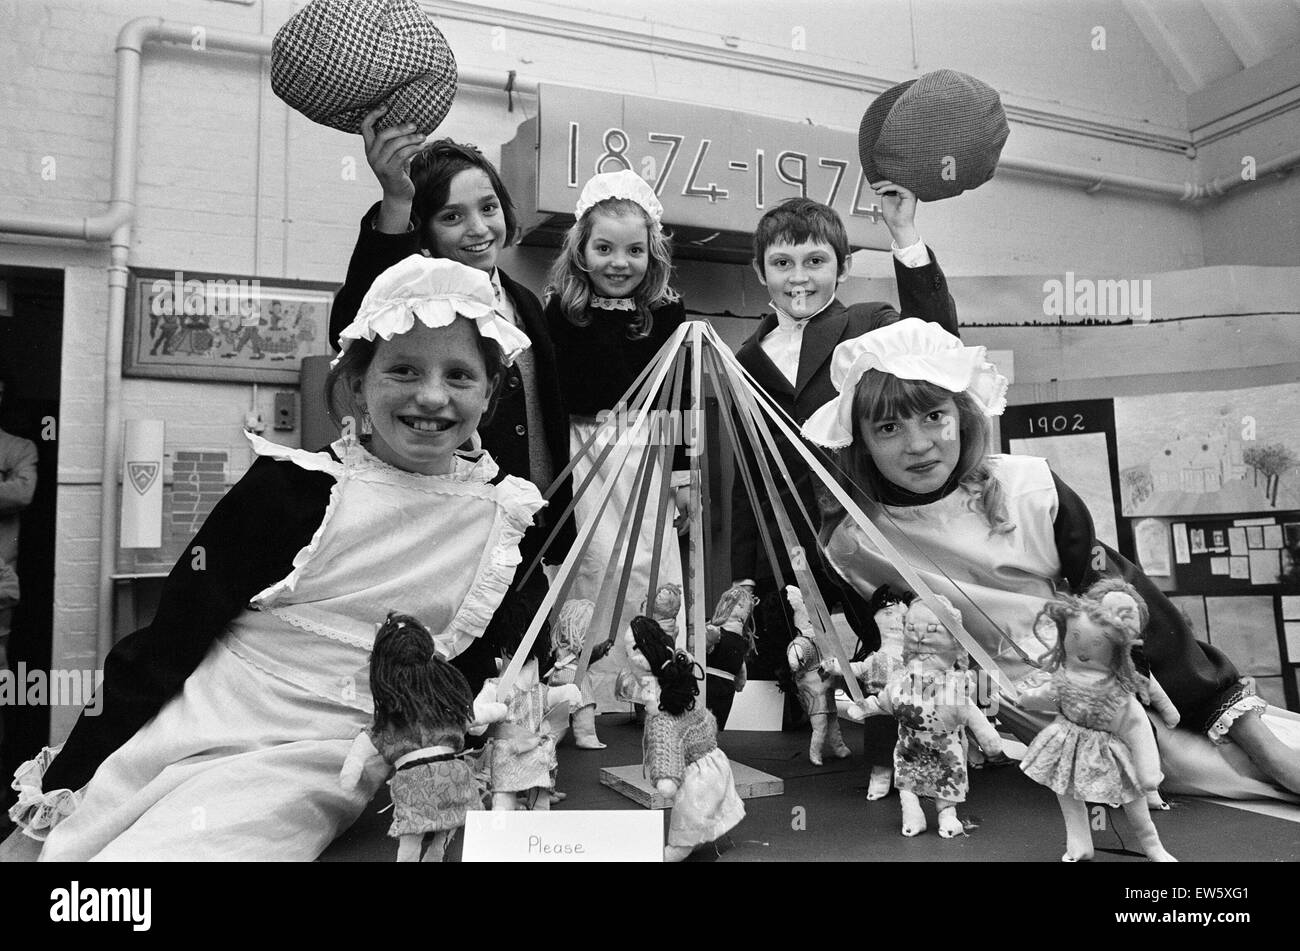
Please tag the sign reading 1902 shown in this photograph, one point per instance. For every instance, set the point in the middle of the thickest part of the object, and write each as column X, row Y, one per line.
column 711, row 168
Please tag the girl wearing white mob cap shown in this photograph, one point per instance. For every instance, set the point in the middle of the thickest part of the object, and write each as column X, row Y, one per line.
column 225, row 722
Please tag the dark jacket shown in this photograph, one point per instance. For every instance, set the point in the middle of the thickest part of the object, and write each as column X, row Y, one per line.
column 506, row 436
column 923, row 293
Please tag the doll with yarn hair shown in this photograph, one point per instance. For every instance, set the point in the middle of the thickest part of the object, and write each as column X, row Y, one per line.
column 568, row 634
column 680, row 747
column 1081, row 755
column 931, row 698
column 729, row 638
column 423, row 709
column 636, row 684
column 815, row 683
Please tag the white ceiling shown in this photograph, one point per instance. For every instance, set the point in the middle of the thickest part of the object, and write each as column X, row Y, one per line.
column 1203, row 41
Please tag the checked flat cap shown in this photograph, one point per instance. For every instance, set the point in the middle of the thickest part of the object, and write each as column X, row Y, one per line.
column 938, row 135
column 336, row 60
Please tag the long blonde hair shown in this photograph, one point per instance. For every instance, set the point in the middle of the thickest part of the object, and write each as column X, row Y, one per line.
column 569, row 279
column 880, row 396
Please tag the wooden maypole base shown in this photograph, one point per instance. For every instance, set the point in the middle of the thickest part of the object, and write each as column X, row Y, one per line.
column 630, row 782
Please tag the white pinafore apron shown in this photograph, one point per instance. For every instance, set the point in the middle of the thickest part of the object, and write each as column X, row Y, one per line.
column 244, row 763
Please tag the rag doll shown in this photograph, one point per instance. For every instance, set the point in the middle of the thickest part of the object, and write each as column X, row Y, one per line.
column 931, row 698
column 568, row 634
column 680, row 747
column 816, row 684
column 1122, row 599
column 1081, row 755
column 635, row 684
column 876, row 668
column 523, row 743
column 729, row 638
column 423, row 709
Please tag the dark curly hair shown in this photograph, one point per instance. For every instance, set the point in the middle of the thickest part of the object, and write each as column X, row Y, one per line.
column 677, row 673
column 882, row 598
column 432, row 171
column 411, row 684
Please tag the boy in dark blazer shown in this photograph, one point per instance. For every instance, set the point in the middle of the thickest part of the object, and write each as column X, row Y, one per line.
column 801, row 254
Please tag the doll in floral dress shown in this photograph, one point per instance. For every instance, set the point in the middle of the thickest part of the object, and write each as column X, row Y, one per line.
column 931, row 698
column 1081, row 755
column 422, row 711
column 523, row 743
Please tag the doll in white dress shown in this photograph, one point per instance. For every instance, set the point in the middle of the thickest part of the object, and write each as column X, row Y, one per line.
column 681, row 754
column 1081, row 755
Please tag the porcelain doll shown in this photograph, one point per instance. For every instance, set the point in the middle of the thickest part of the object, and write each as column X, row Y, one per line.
column 680, row 746
column 815, row 683
column 1081, row 755
column 423, row 709
column 931, row 698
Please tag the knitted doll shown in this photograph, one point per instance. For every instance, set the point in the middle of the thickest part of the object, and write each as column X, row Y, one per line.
column 931, row 700
column 1081, row 755
column 816, row 685
column 729, row 637
column 422, row 710
column 1122, row 599
column 523, row 743
column 681, row 754
column 567, row 637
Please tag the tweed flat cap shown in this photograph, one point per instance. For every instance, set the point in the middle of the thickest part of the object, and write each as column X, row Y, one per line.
column 336, row 60
column 938, row 135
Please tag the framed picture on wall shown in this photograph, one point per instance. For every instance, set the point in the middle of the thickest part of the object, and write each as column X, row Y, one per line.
column 183, row 325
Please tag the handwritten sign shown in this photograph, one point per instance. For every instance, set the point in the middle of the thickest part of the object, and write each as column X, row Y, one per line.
column 569, row 836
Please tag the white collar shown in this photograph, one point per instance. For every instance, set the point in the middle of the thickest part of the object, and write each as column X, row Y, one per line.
column 786, row 322
column 613, row 303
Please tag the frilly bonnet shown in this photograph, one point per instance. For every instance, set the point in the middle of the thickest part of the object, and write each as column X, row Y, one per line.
column 436, row 291
column 625, row 184
column 910, row 349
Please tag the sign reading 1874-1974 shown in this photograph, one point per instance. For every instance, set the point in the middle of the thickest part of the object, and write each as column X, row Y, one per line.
column 713, row 169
